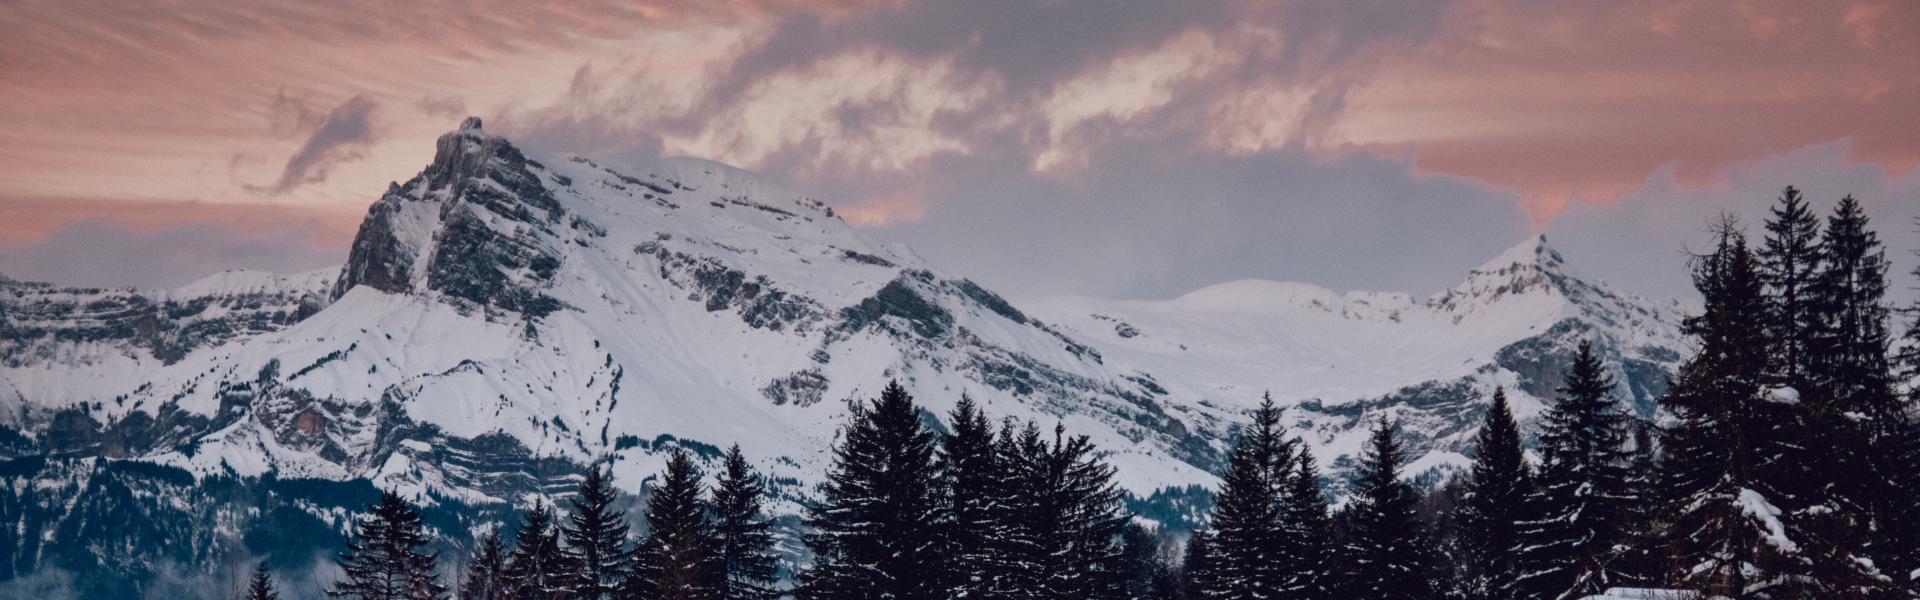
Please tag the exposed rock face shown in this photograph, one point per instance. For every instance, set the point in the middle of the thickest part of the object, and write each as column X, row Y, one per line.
column 479, row 219
column 503, row 321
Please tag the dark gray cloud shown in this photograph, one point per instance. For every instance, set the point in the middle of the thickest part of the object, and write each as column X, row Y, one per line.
column 99, row 254
column 343, row 136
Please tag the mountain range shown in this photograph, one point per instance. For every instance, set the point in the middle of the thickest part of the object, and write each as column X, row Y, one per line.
column 507, row 318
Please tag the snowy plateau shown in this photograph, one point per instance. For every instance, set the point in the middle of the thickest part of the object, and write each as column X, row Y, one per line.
column 506, row 318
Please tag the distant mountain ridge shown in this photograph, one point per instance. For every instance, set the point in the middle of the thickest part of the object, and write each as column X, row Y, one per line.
column 504, row 319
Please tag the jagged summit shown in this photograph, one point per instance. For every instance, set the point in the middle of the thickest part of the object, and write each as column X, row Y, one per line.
column 507, row 316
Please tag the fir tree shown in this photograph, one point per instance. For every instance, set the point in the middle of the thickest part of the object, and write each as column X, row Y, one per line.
column 1572, row 549
column 1251, row 546
column 1304, row 513
column 1896, row 536
column 1495, row 504
column 1065, row 525
column 538, row 568
column 1197, row 567
column 1387, row 556
column 1138, row 564
column 972, row 480
column 260, row 586
column 384, row 560
column 596, row 537
column 1788, row 260
column 877, row 521
column 743, row 534
column 1728, row 533
column 486, row 574
column 1849, row 417
column 676, row 560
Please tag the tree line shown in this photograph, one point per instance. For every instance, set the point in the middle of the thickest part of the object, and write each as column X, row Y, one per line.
column 1783, row 464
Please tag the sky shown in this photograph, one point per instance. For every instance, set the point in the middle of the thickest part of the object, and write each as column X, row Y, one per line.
column 1125, row 149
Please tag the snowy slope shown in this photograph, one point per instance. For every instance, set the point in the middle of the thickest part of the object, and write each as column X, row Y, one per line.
column 1331, row 357
column 505, row 318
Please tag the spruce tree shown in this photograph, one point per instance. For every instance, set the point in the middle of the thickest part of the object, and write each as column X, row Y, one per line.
column 1850, row 419
column 486, row 573
column 676, row 559
column 876, row 524
column 1304, row 513
column 1728, row 532
column 1895, row 544
column 1251, row 546
column 1387, row 556
column 1139, row 568
column 596, row 537
column 1572, row 547
column 1196, row 567
column 1788, row 259
column 1495, row 504
column 384, row 559
column 743, row 534
column 1064, row 528
column 260, row 586
column 976, row 492
column 539, row 568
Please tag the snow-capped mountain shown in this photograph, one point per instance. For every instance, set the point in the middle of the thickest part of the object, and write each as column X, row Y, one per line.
column 505, row 319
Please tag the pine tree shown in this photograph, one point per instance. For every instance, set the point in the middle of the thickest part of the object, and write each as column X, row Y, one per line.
column 1251, row 546
column 486, row 574
column 1387, row 556
column 1788, row 260
column 1495, row 504
column 1304, row 513
column 743, row 534
column 596, row 537
column 260, row 586
column 538, row 568
column 1572, row 548
column 877, row 521
column 676, row 560
column 384, row 561
column 972, row 481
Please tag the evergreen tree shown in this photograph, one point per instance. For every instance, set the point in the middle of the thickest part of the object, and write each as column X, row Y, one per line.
column 486, row 574
column 1387, row 556
column 1064, row 528
column 1305, row 515
column 538, row 568
column 1495, row 505
column 1728, row 533
column 1138, row 566
column 1896, row 535
column 676, row 560
column 1788, row 260
column 1572, row 548
column 260, row 586
column 1850, row 419
column 384, row 560
column 1197, row 567
column 972, row 480
column 743, row 534
column 596, row 537
column 1251, row 546
column 877, row 521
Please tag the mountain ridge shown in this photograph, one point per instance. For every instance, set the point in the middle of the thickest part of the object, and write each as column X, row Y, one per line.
column 506, row 317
